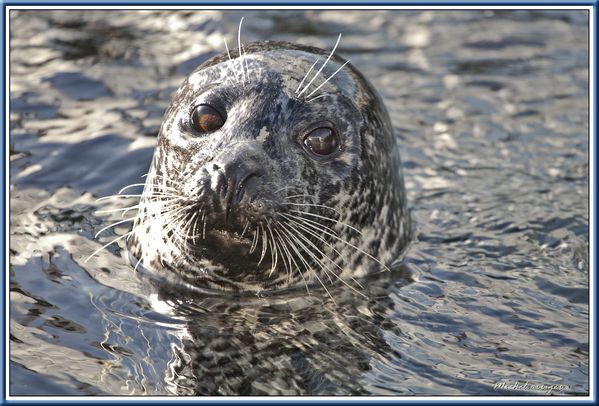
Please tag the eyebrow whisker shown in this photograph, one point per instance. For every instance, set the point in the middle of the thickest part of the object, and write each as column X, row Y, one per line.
column 317, row 97
column 235, row 72
column 247, row 69
column 239, row 48
column 329, row 78
column 322, row 67
column 307, row 73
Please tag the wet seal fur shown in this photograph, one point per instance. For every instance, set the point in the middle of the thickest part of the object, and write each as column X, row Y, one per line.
column 248, row 207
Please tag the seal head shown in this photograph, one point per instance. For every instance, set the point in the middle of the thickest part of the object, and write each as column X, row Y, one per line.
column 273, row 168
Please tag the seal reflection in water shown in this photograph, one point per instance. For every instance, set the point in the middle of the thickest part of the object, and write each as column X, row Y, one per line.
column 274, row 168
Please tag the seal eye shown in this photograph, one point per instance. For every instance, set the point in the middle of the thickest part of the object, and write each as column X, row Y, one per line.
column 322, row 141
column 206, row 119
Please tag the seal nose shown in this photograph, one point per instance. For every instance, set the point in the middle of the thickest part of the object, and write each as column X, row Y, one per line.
column 238, row 176
column 239, row 167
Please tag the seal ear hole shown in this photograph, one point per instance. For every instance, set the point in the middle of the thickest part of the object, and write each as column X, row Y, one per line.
column 206, row 119
column 322, row 141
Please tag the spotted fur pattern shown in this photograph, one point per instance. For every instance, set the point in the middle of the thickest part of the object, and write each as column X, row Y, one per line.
column 322, row 221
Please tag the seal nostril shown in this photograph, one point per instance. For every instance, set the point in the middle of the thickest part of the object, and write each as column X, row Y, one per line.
column 242, row 186
column 240, row 193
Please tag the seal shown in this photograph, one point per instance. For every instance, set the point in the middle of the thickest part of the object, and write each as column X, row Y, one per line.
column 276, row 166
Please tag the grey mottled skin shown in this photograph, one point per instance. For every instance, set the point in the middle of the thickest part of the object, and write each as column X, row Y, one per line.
column 196, row 235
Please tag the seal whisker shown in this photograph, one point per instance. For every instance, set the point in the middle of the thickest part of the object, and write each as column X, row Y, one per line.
column 178, row 210
column 231, row 68
column 239, row 49
column 173, row 220
column 312, row 232
column 317, row 261
column 307, row 266
column 113, row 225
column 277, row 246
column 163, row 192
column 254, row 241
column 137, row 264
column 329, row 78
column 284, row 188
column 190, row 226
column 289, row 257
column 145, row 184
column 274, row 256
column 323, row 255
column 183, row 232
column 130, row 186
column 178, row 224
column 297, row 196
column 130, row 208
column 187, row 229
column 282, row 247
column 193, row 224
column 357, row 283
column 316, row 225
column 264, row 244
column 160, row 198
column 101, row 199
column 322, row 67
column 244, row 230
column 326, row 218
column 125, row 209
column 106, row 245
column 132, row 196
column 317, row 97
column 167, row 179
column 306, row 75
column 247, row 69
column 327, row 257
column 285, row 241
column 161, row 188
column 327, row 269
column 174, row 210
column 163, row 205
column 197, row 225
column 292, row 246
column 352, row 246
column 312, row 205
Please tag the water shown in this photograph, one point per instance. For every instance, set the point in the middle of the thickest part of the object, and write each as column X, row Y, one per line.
column 491, row 111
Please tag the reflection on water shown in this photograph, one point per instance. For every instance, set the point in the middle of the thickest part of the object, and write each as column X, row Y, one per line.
column 491, row 113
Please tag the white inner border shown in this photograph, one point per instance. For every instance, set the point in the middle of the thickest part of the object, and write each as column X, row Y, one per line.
column 294, row 399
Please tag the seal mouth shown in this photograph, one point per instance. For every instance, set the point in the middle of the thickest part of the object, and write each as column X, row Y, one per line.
column 230, row 236
column 232, row 232
column 237, row 221
column 238, row 255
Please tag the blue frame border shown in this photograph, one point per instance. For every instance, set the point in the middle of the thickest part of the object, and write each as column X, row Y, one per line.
column 4, row 219
column 150, row 3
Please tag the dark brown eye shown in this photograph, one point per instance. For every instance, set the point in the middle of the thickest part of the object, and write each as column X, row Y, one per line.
column 322, row 141
column 206, row 119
